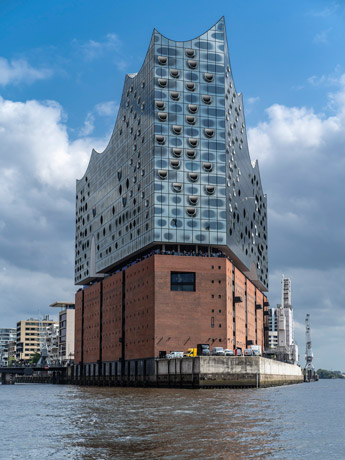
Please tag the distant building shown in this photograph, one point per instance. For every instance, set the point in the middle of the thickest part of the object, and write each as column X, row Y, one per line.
column 29, row 336
column 286, row 304
column 273, row 327
column 6, row 335
column 12, row 348
column 66, row 330
column 281, row 327
column 52, row 342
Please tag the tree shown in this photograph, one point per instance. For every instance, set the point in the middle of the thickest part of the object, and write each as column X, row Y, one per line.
column 35, row 358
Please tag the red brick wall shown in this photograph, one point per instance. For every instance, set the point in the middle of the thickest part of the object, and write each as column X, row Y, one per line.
column 112, row 317
column 251, row 311
column 91, row 323
column 229, row 306
column 160, row 319
column 140, row 310
column 259, row 318
column 240, row 310
column 183, row 319
column 78, row 326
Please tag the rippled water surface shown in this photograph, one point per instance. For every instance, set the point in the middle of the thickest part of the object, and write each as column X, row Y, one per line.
column 91, row 423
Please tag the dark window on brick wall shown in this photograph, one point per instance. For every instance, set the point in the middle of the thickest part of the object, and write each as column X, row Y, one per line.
column 182, row 281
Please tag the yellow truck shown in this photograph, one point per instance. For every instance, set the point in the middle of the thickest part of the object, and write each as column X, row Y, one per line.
column 191, row 352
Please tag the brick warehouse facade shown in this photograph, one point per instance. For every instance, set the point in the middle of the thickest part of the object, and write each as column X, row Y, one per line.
column 171, row 219
column 135, row 314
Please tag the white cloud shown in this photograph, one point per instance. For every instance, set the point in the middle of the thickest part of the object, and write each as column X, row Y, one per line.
column 253, row 100
column 20, row 71
column 326, row 12
column 302, row 164
column 30, row 292
column 89, row 125
column 107, row 109
column 38, row 168
column 92, row 49
column 34, row 142
column 322, row 37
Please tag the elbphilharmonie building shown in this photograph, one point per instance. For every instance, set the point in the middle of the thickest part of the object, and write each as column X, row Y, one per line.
column 176, row 193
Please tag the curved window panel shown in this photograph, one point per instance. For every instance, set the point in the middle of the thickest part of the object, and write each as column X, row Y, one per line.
column 162, row 82
column 175, row 96
column 162, row 116
column 207, row 167
column 208, row 77
column 175, row 164
column 160, row 105
column 191, row 212
column 190, row 86
column 162, row 174
column 177, row 152
column 174, row 73
column 191, row 154
column 206, row 99
column 190, row 53
column 193, row 142
column 192, row 108
column 160, row 139
column 162, row 60
column 177, row 187
column 209, row 189
column 193, row 199
column 177, row 129
column 193, row 177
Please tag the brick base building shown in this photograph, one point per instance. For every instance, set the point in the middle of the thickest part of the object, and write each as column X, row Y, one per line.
column 167, row 303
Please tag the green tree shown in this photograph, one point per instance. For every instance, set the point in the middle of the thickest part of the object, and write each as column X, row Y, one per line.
column 35, row 358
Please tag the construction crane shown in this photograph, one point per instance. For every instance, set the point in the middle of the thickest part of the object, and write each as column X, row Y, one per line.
column 310, row 373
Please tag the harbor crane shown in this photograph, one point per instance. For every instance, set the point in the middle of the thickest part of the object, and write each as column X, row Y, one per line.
column 310, row 373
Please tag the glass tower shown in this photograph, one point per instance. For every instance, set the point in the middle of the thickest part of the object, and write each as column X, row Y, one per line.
column 177, row 169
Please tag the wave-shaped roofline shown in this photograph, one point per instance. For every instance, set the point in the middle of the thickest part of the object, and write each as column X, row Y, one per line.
column 134, row 75
column 222, row 19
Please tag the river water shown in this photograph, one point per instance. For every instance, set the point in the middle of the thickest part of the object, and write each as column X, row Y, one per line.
column 303, row 421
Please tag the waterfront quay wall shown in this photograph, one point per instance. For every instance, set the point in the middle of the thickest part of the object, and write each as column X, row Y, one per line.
column 224, row 371
column 197, row 372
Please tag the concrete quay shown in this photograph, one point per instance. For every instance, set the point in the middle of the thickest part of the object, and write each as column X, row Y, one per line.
column 197, row 372
column 224, row 371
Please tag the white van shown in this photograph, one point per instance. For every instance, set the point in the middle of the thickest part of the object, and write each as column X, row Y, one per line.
column 174, row 354
column 218, row 351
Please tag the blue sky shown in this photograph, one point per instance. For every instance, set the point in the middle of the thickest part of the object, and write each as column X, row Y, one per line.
column 62, row 67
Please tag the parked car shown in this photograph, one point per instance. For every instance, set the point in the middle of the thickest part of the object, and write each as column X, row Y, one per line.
column 174, row 354
column 229, row 352
column 238, row 352
column 248, row 352
column 218, row 351
column 256, row 349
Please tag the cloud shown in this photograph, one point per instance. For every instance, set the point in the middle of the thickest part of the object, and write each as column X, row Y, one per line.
column 92, row 50
column 107, row 109
column 326, row 12
column 322, row 37
column 38, row 168
column 302, row 164
column 89, row 125
column 20, row 71
column 318, row 292
column 253, row 100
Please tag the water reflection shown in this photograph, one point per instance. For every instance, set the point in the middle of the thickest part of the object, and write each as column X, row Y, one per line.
column 91, row 423
column 120, row 423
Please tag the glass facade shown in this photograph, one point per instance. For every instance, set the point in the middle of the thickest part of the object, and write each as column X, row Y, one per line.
column 177, row 168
